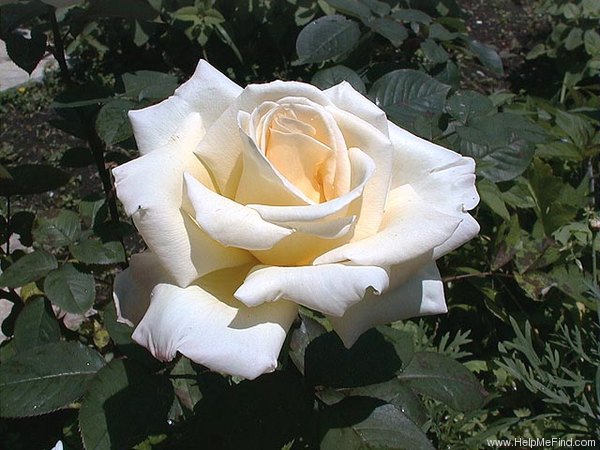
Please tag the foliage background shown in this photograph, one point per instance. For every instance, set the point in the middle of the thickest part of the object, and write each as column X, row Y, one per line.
column 516, row 356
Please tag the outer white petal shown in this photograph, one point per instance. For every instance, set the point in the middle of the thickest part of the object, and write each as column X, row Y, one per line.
column 421, row 295
column 443, row 177
column 221, row 148
column 346, row 98
column 150, row 188
column 330, row 288
column 410, row 229
column 132, row 287
column 181, row 120
column 467, row 230
column 230, row 223
column 208, row 325
column 361, row 134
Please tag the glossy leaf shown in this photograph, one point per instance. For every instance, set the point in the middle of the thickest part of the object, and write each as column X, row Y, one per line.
column 123, row 405
column 393, row 31
column 36, row 325
column 376, row 357
column 444, row 379
column 28, row 268
column 148, row 84
column 326, row 38
column 95, row 252
column 327, row 78
column 465, row 105
column 406, row 94
column 360, row 423
column 71, row 290
column 487, row 55
column 112, row 123
column 46, row 378
column 58, row 228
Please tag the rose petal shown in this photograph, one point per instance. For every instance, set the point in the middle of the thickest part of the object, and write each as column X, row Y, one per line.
column 467, row 230
column 261, row 183
column 230, row 223
column 150, row 188
column 410, row 229
column 329, row 288
column 443, row 177
column 132, row 287
column 309, row 216
column 208, row 325
column 361, row 134
column 346, row 98
column 421, row 295
column 311, row 222
column 183, row 118
column 221, row 148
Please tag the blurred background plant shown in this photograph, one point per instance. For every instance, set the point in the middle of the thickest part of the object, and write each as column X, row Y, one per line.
column 516, row 356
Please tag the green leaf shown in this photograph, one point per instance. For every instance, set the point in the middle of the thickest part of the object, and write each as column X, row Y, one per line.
column 374, row 358
column 491, row 196
column 444, row 379
column 355, row 8
column 591, row 40
column 574, row 39
column 26, row 53
column 112, row 123
column 360, row 423
column 326, row 38
column 71, row 290
column 579, row 130
column 502, row 144
column 123, row 405
column 93, row 209
column 412, row 15
column 301, row 337
column 394, row 392
column 434, row 52
column 326, row 78
column 185, row 384
column 148, row 84
column 393, row 31
column 95, row 252
column 30, row 267
column 46, row 378
column 464, row 105
column 406, row 94
column 571, row 10
column 58, row 228
column 36, row 325
column 32, row 179
column 487, row 55
column 560, row 150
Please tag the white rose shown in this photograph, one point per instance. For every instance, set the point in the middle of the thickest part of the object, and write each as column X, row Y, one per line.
column 253, row 201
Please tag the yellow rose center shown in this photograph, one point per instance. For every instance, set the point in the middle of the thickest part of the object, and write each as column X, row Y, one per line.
column 304, row 146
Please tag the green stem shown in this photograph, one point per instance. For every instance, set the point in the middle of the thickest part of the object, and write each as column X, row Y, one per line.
column 8, row 224
column 98, row 149
column 59, row 49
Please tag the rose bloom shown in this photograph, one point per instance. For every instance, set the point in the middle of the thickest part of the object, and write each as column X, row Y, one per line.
column 254, row 201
